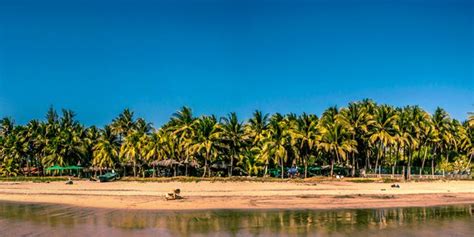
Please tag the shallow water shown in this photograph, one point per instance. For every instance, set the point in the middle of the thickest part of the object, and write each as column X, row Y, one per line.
column 55, row 220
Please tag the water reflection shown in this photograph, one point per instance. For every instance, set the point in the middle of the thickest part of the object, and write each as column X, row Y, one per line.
column 20, row 219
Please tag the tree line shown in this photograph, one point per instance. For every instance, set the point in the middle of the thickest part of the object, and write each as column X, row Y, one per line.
column 363, row 135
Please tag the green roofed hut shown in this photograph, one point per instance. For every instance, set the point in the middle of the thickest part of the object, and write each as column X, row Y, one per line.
column 71, row 168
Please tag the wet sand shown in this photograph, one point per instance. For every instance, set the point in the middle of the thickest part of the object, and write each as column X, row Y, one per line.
column 241, row 195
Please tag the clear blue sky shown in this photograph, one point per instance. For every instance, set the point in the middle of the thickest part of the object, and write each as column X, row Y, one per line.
column 224, row 56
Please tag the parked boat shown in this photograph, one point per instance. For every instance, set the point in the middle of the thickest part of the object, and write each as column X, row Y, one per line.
column 108, row 177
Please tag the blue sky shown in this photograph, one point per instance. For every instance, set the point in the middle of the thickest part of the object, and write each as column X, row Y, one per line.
column 224, row 56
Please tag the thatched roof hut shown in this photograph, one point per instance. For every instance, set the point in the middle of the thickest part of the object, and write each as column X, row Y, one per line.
column 167, row 163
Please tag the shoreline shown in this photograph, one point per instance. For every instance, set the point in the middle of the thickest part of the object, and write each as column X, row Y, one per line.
column 240, row 195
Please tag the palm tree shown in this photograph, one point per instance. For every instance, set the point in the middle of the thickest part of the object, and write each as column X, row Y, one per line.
column 233, row 135
column 6, row 126
column 355, row 116
column 65, row 143
column 123, row 124
column 383, row 130
column 182, row 127
column 142, row 126
column 429, row 136
column 305, row 136
column 106, row 150
column 441, row 122
column 256, row 126
column 14, row 148
column 250, row 160
column 131, row 149
column 276, row 139
column 336, row 138
column 206, row 140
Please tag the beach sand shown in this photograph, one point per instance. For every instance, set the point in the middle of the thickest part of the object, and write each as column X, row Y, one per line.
column 241, row 195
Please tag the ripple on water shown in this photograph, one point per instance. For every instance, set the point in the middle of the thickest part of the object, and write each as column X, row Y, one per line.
column 57, row 220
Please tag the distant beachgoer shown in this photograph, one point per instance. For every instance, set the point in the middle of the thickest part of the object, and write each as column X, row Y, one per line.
column 173, row 195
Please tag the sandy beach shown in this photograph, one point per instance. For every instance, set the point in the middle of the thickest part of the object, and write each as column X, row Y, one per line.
column 240, row 195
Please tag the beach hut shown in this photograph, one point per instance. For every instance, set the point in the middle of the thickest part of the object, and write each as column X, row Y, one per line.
column 55, row 168
column 193, row 164
column 169, row 163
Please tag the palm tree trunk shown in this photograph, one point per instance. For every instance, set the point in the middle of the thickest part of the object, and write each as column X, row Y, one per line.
column 305, row 163
column 432, row 162
column 282, row 168
column 231, row 163
column 353, row 165
column 28, row 167
column 367, row 160
column 378, row 157
column 409, row 165
column 447, row 158
column 423, row 162
column 393, row 169
column 134, row 168
column 332, row 161
column 205, row 167
column 332, row 167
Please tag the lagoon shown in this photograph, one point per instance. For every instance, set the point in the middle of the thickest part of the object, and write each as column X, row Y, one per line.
column 19, row 219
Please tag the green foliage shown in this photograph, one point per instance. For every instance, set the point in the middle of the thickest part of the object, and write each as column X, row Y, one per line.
column 363, row 135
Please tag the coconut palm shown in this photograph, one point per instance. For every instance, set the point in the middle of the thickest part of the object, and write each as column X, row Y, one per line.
column 441, row 122
column 106, row 150
column 355, row 116
column 206, row 140
column 383, row 130
column 275, row 142
column 123, row 124
column 233, row 136
column 181, row 126
column 305, row 138
column 130, row 150
column 256, row 126
column 6, row 126
column 14, row 149
column 250, row 160
column 336, row 138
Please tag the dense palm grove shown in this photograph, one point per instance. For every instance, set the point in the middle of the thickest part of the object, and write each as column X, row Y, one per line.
column 362, row 136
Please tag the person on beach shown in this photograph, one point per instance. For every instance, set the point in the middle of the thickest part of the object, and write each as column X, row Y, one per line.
column 173, row 195
column 69, row 181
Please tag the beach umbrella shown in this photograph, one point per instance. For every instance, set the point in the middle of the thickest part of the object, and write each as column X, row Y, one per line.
column 55, row 167
column 73, row 167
